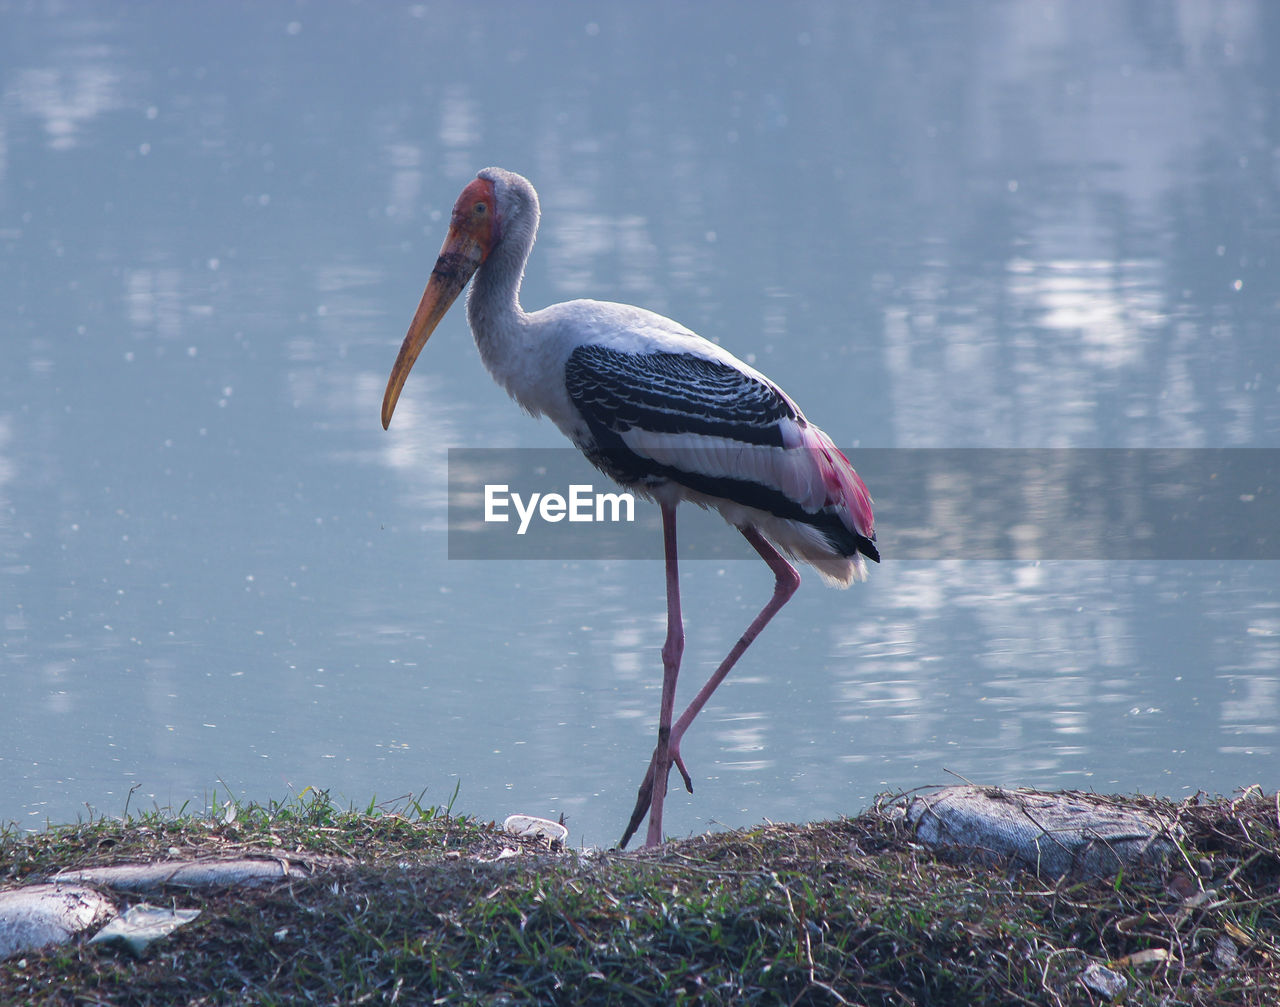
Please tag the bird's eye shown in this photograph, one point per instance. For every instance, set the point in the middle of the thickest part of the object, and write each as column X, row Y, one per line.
column 481, row 208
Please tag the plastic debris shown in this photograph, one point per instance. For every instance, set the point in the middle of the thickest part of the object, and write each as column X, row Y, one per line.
column 535, row 828
column 139, row 927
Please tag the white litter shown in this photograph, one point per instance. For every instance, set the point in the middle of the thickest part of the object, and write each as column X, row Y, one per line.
column 139, row 927
column 529, row 827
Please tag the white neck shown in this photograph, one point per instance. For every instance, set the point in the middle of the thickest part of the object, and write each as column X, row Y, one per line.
column 493, row 303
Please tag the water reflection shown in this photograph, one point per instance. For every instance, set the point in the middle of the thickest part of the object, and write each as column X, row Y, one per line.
column 993, row 225
column 66, row 100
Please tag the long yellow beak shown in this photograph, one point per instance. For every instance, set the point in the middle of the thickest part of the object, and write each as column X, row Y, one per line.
column 459, row 258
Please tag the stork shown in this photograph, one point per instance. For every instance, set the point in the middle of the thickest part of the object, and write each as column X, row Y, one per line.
column 669, row 415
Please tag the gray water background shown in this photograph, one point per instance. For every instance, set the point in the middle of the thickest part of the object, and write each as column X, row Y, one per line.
column 992, row 225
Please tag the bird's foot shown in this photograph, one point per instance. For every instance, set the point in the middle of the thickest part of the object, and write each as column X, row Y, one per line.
column 679, row 764
column 644, row 798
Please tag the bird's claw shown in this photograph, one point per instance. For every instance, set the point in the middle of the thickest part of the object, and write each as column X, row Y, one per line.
column 684, row 773
column 644, row 798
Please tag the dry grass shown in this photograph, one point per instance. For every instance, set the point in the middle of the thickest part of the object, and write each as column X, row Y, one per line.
column 416, row 906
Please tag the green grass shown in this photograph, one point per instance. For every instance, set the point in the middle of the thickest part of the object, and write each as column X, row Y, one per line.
column 414, row 906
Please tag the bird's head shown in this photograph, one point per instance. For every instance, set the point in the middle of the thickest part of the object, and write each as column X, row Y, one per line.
column 474, row 229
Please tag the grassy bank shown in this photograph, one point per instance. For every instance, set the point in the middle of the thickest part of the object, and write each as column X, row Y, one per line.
column 413, row 906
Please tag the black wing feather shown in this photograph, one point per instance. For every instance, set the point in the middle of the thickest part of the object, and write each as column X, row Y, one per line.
column 677, row 393
column 674, row 393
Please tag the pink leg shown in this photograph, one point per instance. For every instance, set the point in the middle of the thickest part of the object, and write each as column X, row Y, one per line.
column 786, row 581
column 653, row 790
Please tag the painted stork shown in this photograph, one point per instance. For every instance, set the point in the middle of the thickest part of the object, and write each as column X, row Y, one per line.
column 666, row 413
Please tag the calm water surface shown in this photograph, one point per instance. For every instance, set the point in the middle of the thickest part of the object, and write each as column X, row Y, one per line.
column 1002, row 224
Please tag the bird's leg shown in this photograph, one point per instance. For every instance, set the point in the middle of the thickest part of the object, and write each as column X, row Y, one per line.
column 645, row 797
column 653, row 789
column 786, row 581
column 785, row 584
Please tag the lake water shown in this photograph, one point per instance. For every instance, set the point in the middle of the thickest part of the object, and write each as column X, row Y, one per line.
column 988, row 225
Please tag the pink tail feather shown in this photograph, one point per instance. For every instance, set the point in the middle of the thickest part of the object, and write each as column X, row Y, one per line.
column 845, row 488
